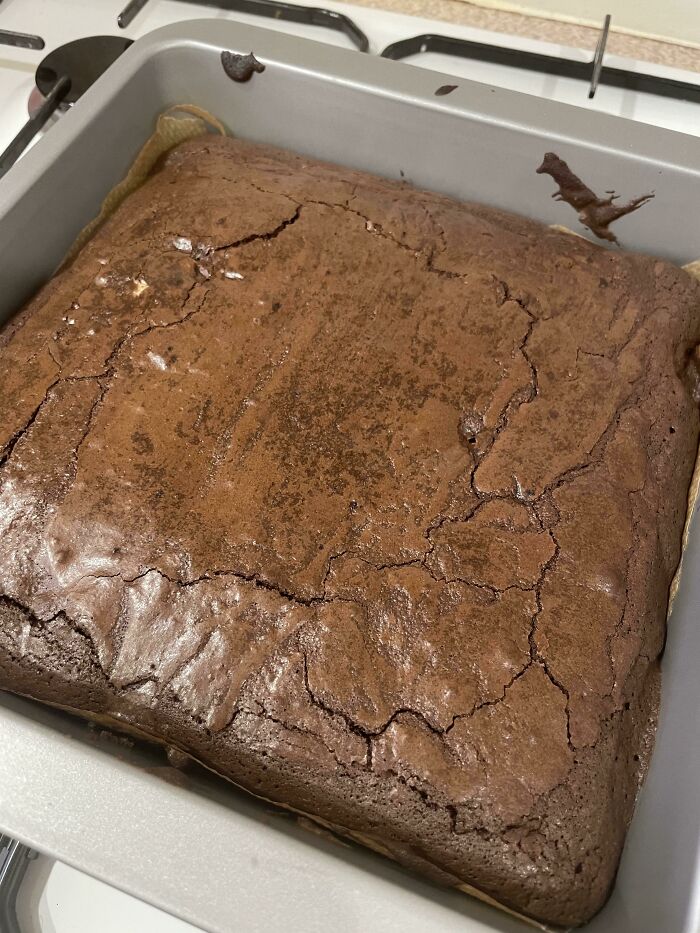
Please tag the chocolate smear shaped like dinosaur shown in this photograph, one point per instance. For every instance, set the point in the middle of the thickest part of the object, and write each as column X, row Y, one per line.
column 595, row 213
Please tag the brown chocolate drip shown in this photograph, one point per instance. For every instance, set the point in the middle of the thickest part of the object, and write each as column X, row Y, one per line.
column 595, row 213
column 241, row 67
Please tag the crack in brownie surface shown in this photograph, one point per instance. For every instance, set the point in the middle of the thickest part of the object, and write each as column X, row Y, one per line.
column 367, row 498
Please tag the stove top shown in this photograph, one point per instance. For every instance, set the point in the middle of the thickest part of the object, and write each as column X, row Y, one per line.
column 51, row 36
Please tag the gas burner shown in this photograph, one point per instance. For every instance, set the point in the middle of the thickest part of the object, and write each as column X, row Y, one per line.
column 592, row 73
column 82, row 62
column 61, row 79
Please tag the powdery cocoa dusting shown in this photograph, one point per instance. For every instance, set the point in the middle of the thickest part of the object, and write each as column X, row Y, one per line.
column 376, row 515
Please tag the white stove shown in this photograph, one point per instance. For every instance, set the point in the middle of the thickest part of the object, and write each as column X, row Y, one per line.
column 59, row 23
column 53, row 897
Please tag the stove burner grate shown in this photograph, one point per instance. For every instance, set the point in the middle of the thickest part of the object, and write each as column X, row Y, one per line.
column 545, row 64
column 21, row 40
column 273, row 9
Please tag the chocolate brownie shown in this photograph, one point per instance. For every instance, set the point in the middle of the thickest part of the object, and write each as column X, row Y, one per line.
column 366, row 498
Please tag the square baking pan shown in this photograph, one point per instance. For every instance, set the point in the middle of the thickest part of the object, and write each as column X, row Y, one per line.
column 196, row 846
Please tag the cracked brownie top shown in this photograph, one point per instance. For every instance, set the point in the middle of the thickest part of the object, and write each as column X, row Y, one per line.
column 403, row 479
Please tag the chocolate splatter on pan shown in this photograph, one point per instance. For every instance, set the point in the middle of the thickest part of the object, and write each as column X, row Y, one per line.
column 595, row 213
column 446, row 89
column 241, row 67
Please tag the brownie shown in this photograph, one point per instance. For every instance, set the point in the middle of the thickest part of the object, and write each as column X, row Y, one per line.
column 367, row 499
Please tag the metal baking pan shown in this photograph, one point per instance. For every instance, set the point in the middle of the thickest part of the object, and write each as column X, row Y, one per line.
column 204, row 851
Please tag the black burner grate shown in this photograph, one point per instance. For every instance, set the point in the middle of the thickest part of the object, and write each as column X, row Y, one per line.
column 21, row 40
column 545, row 64
column 272, row 9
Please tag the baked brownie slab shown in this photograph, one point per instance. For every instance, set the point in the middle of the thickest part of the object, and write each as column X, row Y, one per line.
column 368, row 499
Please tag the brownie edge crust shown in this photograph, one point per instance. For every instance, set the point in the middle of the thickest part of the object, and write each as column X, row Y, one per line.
column 368, row 499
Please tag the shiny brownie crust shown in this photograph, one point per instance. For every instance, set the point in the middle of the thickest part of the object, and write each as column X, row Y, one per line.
column 367, row 498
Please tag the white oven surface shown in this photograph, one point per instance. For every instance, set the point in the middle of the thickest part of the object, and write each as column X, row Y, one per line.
column 55, row 898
